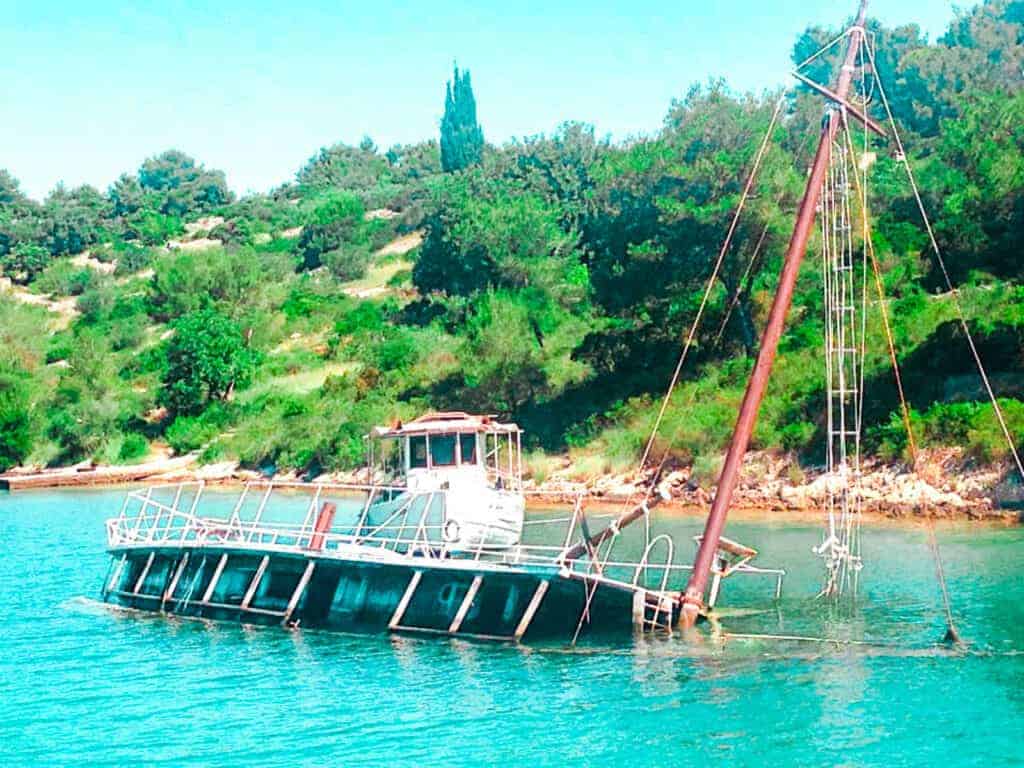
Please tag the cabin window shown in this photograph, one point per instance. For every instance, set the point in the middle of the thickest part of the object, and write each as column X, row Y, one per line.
column 442, row 450
column 418, row 451
column 467, row 444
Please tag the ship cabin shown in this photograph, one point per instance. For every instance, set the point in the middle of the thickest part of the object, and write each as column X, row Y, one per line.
column 448, row 450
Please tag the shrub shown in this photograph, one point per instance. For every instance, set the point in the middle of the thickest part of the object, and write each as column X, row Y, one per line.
column 132, row 258
column 335, row 223
column 152, row 228
column 189, row 433
column 63, row 278
column 348, row 262
column 25, row 261
column 133, row 447
column 16, row 434
column 985, row 438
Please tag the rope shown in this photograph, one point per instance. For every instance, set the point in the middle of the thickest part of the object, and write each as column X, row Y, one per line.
column 876, row 271
column 952, row 635
column 945, row 273
column 823, row 50
column 691, row 335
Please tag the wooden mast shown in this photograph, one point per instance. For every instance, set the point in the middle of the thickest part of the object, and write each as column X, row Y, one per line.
column 693, row 599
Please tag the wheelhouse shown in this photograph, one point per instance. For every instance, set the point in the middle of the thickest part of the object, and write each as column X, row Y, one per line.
column 440, row 447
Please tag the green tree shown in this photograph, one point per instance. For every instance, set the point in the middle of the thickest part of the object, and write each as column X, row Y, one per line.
column 412, row 162
column 207, row 359
column 484, row 236
column 181, row 186
column 337, row 235
column 341, row 167
column 126, row 195
column 72, row 219
column 16, row 434
column 462, row 140
column 25, row 261
column 19, row 216
column 91, row 404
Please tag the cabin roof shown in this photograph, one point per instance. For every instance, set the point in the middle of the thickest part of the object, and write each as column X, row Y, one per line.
column 443, row 422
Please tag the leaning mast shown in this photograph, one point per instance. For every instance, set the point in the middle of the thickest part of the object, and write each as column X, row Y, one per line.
column 693, row 599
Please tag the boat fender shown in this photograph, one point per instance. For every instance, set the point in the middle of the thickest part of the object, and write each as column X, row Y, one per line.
column 451, row 531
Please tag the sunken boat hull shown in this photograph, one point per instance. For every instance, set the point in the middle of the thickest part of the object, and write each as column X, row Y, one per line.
column 457, row 598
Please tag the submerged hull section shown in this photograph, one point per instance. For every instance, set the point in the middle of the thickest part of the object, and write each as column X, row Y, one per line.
column 461, row 598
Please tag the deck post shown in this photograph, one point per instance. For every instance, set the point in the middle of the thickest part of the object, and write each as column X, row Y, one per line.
column 414, row 582
column 259, row 513
column 297, row 594
column 467, row 602
column 531, row 609
column 142, row 511
column 314, row 504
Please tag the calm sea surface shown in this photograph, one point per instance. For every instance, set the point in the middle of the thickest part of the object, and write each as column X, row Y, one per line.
column 84, row 685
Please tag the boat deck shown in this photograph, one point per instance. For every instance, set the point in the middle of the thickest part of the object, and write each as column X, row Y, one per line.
column 399, row 575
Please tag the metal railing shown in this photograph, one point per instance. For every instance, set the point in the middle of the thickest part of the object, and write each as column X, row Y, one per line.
column 167, row 516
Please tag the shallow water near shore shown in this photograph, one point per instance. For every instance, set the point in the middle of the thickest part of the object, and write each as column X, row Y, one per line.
column 81, row 684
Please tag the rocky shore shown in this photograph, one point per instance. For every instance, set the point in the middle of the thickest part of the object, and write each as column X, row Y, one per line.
column 942, row 486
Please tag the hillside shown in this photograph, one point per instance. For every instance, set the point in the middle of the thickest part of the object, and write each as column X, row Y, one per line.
column 549, row 280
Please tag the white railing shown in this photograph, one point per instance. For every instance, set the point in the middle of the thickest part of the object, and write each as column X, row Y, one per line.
column 147, row 521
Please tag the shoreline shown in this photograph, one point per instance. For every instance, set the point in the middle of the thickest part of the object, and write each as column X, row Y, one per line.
column 942, row 488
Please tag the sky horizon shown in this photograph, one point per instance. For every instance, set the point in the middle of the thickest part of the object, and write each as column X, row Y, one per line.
column 256, row 89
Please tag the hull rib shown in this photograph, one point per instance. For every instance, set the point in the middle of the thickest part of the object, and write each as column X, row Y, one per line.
column 414, row 582
column 531, row 609
column 173, row 585
column 144, row 573
column 467, row 602
column 299, row 589
column 255, row 583
column 215, row 578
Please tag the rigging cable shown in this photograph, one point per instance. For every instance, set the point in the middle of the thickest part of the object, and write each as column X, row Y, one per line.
column 945, row 273
column 759, row 157
column 952, row 635
column 691, row 336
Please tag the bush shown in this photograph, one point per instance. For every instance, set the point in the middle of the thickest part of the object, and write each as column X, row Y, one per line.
column 62, row 278
column 152, row 228
column 348, row 262
column 188, row 282
column 190, row 433
column 128, row 332
column 16, row 433
column 985, row 438
column 133, row 447
column 25, row 261
column 132, row 259
column 335, row 223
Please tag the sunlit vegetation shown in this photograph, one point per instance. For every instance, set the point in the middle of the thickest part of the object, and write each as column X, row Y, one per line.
column 549, row 280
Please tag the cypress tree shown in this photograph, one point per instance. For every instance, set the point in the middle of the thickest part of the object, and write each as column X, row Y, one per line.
column 462, row 140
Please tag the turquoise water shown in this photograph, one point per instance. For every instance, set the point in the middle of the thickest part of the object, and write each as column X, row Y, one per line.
column 83, row 685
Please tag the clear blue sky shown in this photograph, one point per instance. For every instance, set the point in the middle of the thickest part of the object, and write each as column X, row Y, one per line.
column 89, row 88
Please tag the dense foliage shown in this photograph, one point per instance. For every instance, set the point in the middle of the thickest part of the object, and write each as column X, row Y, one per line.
column 550, row 280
